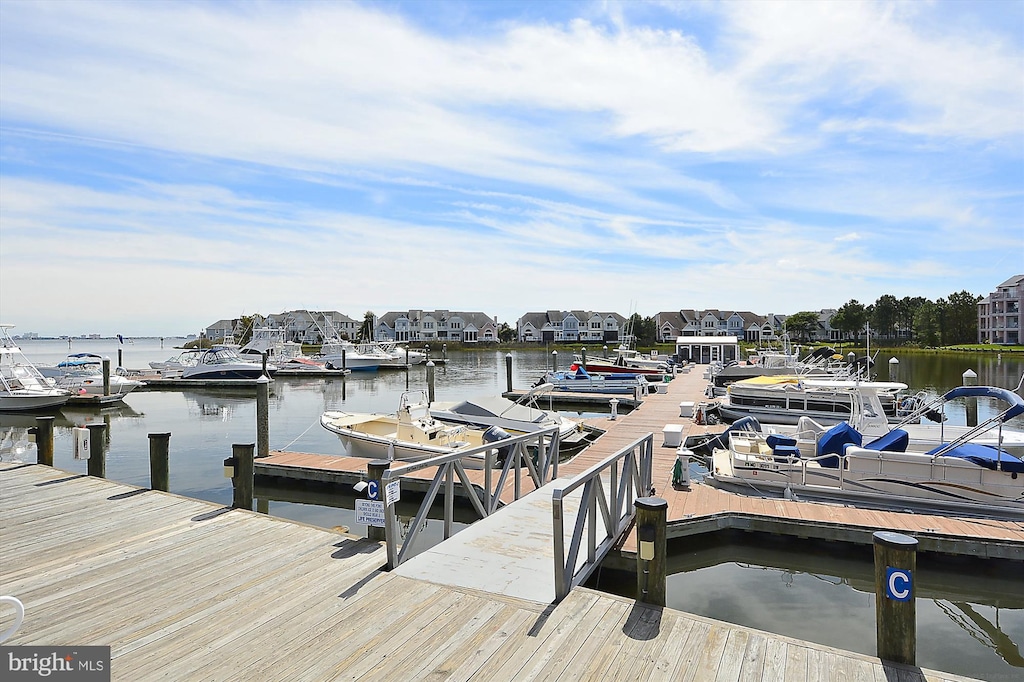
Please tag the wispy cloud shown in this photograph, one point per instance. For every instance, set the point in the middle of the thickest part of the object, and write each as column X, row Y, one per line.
column 505, row 159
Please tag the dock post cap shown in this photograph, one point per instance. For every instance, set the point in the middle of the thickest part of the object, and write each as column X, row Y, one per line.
column 651, row 503
column 264, row 379
column 890, row 538
column 385, row 463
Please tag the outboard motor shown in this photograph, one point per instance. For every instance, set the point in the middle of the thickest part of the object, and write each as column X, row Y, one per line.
column 493, row 434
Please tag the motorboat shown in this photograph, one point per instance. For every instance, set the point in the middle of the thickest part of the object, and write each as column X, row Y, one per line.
column 342, row 354
column 784, row 399
column 973, row 470
column 521, row 416
column 220, row 363
column 397, row 356
column 579, row 380
column 272, row 342
column 82, row 374
column 185, row 358
column 410, row 434
column 926, row 423
column 22, row 387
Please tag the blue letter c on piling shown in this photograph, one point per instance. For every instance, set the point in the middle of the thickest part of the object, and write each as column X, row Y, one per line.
column 897, row 584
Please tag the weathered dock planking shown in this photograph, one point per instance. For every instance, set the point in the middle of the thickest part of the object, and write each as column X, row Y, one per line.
column 183, row 589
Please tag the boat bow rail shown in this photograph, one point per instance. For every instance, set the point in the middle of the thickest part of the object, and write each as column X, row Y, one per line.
column 628, row 473
column 541, row 465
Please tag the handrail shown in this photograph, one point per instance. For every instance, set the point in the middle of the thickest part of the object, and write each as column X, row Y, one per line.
column 485, row 501
column 629, row 474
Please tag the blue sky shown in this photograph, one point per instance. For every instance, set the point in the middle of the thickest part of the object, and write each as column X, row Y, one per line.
column 164, row 165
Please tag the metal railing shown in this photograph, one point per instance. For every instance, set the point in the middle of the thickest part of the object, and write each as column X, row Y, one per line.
column 628, row 473
column 485, row 501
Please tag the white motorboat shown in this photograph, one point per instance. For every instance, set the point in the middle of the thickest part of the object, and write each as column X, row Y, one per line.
column 220, row 363
column 410, row 434
column 342, row 354
column 22, row 387
column 82, row 374
column 521, row 416
column 397, row 356
column 185, row 358
column 578, row 380
column 973, row 470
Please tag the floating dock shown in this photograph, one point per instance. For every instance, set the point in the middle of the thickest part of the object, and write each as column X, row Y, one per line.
column 184, row 589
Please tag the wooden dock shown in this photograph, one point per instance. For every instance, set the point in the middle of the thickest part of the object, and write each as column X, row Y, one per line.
column 703, row 508
column 183, row 589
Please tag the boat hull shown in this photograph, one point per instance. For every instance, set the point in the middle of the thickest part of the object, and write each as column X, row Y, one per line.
column 28, row 403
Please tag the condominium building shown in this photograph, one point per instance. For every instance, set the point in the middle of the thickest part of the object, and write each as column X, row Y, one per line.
column 999, row 313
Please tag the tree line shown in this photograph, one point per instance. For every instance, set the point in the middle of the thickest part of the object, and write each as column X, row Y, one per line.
column 910, row 320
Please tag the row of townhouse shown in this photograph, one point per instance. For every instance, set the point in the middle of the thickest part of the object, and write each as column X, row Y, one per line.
column 436, row 325
column 303, row 326
column 999, row 313
column 556, row 326
column 552, row 326
column 742, row 324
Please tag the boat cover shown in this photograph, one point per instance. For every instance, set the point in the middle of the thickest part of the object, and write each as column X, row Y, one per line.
column 984, row 456
column 896, row 440
column 834, row 442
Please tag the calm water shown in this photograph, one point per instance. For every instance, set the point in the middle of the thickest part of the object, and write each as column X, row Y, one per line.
column 971, row 633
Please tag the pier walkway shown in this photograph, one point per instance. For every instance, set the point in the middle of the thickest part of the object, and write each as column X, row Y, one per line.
column 182, row 589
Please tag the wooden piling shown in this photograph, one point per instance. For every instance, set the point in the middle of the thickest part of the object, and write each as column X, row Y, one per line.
column 652, row 550
column 375, row 472
column 263, row 413
column 159, row 465
column 97, row 465
column 895, row 597
column 554, row 361
column 430, row 381
column 242, row 481
column 44, row 440
column 106, row 376
column 508, row 371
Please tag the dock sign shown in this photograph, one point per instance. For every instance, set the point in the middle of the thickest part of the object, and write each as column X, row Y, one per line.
column 898, row 584
column 373, row 489
column 370, row 513
column 392, row 492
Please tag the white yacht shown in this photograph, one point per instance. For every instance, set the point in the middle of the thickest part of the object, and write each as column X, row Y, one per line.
column 22, row 387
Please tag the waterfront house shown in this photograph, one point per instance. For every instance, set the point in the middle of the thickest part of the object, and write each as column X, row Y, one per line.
column 999, row 313
column 437, row 325
column 573, row 326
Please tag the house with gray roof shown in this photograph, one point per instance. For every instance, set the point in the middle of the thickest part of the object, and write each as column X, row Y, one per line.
column 437, row 325
column 570, row 326
column 999, row 315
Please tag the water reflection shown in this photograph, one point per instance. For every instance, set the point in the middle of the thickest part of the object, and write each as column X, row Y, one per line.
column 970, row 613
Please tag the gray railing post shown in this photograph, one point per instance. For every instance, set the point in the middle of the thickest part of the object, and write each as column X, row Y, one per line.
column 375, row 472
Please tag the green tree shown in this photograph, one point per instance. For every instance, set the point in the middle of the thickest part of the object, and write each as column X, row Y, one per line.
column 884, row 316
column 927, row 326
column 246, row 323
column 907, row 308
column 644, row 329
column 961, row 318
column 803, row 324
column 850, row 318
column 506, row 334
column 366, row 328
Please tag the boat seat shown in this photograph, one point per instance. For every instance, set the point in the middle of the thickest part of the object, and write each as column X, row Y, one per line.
column 834, row 442
column 783, row 447
column 894, row 441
